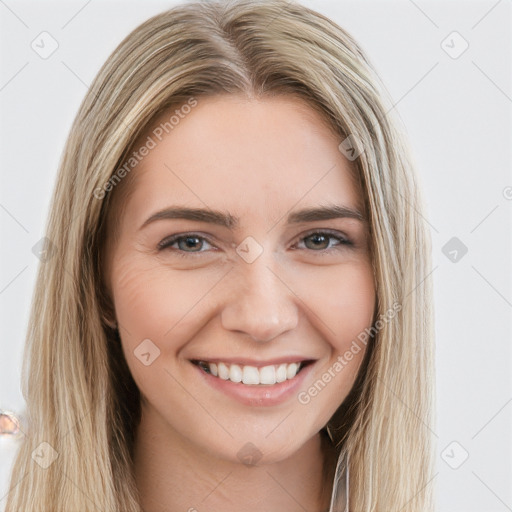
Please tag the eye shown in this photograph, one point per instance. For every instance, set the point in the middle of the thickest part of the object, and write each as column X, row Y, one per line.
column 187, row 243
column 317, row 241
column 320, row 241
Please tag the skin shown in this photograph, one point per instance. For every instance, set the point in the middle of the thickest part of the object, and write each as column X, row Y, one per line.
column 259, row 160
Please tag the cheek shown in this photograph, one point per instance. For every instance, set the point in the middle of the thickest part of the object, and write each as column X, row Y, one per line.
column 342, row 301
column 150, row 300
column 151, row 306
column 161, row 305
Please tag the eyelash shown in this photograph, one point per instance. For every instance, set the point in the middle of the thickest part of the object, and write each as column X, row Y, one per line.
column 167, row 242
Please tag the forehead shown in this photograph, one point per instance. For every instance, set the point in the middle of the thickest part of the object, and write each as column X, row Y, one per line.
column 246, row 156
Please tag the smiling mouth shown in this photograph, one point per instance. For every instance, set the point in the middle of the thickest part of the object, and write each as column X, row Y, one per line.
column 251, row 375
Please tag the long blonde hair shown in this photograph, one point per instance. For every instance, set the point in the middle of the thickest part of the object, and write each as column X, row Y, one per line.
column 81, row 399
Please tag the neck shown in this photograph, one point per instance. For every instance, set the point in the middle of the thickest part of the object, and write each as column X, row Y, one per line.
column 171, row 473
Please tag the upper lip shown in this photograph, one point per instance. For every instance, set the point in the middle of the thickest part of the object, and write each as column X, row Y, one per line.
column 258, row 363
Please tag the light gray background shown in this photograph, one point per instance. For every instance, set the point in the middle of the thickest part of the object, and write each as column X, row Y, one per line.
column 458, row 116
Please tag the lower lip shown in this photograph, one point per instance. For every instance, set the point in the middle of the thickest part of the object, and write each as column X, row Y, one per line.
column 260, row 394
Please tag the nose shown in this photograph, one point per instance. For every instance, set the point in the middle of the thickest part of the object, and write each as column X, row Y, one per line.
column 260, row 303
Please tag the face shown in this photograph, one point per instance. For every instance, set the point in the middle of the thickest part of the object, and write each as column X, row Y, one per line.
column 242, row 276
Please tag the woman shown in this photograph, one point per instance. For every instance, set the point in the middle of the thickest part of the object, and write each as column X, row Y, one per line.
column 233, row 313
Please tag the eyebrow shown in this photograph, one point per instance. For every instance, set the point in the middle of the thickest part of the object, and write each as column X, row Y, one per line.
column 229, row 221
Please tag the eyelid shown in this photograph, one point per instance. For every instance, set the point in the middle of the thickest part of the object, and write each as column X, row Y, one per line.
column 325, row 231
column 172, row 239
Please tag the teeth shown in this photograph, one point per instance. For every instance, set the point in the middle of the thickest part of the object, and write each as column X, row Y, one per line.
column 251, row 375
column 267, row 375
column 281, row 373
column 223, row 371
column 235, row 373
column 291, row 370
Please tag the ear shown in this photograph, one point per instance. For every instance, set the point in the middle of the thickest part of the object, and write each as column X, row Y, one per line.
column 105, row 303
column 107, row 310
column 108, row 320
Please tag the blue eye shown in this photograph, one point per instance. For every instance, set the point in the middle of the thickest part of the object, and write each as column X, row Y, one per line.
column 193, row 243
column 319, row 240
column 190, row 241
